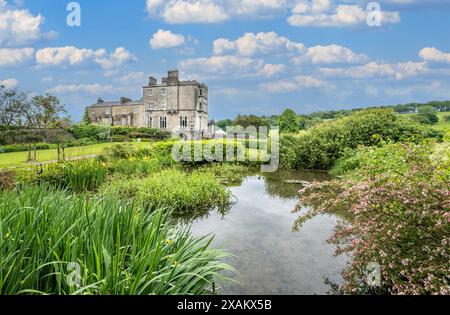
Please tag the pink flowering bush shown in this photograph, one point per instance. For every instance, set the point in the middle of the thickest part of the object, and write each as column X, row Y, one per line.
column 400, row 219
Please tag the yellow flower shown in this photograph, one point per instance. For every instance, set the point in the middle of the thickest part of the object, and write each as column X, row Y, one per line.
column 176, row 264
column 168, row 242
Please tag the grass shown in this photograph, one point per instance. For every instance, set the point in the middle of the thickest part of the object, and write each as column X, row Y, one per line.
column 52, row 242
column 191, row 194
column 16, row 159
column 442, row 125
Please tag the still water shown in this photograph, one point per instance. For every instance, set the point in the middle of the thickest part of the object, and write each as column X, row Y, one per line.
column 270, row 258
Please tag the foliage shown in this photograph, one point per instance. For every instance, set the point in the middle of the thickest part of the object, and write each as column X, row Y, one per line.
column 185, row 193
column 41, row 111
column 47, row 235
column 323, row 144
column 427, row 115
column 399, row 197
column 135, row 166
column 84, row 175
column 7, row 180
column 86, row 120
column 104, row 133
column 288, row 122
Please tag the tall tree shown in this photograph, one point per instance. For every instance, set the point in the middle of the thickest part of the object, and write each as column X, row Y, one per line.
column 288, row 121
column 14, row 107
column 47, row 110
column 86, row 118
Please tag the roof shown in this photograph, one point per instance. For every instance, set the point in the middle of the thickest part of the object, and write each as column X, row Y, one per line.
column 117, row 103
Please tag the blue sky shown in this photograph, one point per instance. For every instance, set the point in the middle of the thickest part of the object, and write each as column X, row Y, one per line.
column 257, row 56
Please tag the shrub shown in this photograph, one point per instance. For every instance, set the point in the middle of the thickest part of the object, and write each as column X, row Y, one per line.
column 320, row 146
column 7, row 180
column 186, row 194
column 401, row 220
column 48, row 234
column 119, row 151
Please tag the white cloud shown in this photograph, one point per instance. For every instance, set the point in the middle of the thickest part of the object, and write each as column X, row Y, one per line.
column 166, row 39
column 229, row 65
column 182, row 11
column 132, row 77
column 295, row 84
column 9, row 83
column 116, row 59
column 68, row 55
column 329, row 54
column 251, row 44
column 93, row 89
column 374, row 69
column 214, row 11
column 269, row 70
column 73, row 56
column 20, row 26
column 15, row 56
column 434, row 55
column 322, row 13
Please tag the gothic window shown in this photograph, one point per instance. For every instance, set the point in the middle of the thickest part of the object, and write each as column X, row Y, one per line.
column 149, row 121
column 123, row 121
column 163, row 122
column 183, row 122
column 163, row 104
column 150, row 92
column 124, row 111
column 107, row 111
column 163, row 92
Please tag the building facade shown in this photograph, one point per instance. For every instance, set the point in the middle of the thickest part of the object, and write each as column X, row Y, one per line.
column 173, row 105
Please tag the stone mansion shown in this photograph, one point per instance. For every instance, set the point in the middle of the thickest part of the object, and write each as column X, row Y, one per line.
column 172, row 105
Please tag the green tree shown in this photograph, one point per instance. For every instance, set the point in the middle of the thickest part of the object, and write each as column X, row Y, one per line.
column 86, row 118
column 427, row 115
column 288, row 121
column 46, row 111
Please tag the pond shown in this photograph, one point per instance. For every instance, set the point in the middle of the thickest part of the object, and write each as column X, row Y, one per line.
column 270, row 258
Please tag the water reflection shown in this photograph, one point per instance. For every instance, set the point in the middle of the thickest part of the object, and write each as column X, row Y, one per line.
column 270, row 258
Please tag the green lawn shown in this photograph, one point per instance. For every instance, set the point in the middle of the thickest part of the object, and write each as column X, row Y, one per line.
column 442, row 124
column 20, row 158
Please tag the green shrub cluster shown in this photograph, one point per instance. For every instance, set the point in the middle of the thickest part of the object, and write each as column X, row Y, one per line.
column 322, row 145
column 119, row 134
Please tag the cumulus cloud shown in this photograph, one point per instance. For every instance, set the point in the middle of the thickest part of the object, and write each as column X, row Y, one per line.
column 9, row 83
column 213, row 11
column 323, row 13
column 297, row 83
column 116, row 59
column 374, row 69
column 230, row 65
column 166, row 39
column 20, row 26
column 434, row 55
column 329, row 54
column 251, row 44
column 73, row 56
column 15, row 56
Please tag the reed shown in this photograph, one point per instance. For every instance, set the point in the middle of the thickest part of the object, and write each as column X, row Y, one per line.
column 53, row 242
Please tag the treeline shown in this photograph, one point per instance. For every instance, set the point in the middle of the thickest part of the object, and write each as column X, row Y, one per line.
column 306, row 121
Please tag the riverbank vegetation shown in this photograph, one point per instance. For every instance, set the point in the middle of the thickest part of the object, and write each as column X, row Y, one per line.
column 54, row 242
